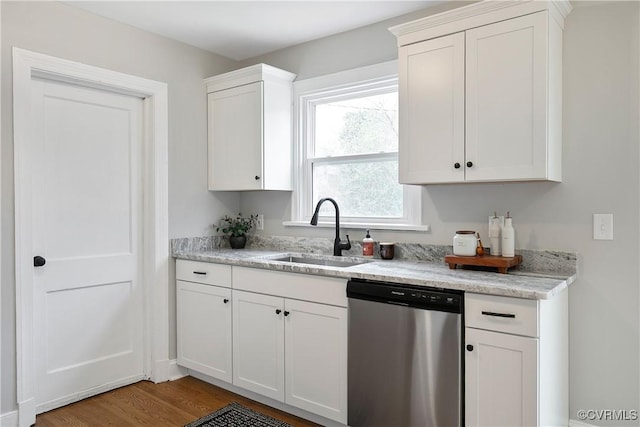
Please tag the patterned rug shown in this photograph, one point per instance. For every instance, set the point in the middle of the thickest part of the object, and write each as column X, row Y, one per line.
column 236, row 415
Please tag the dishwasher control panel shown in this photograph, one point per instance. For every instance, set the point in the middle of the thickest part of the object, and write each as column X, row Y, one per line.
column 418, row 297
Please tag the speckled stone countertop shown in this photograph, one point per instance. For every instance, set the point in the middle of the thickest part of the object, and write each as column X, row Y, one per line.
column 521, row 284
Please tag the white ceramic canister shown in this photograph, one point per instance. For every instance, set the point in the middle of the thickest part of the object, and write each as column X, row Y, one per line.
column 465, row 243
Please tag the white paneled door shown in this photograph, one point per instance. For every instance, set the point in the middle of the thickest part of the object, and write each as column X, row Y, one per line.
column 87, row 202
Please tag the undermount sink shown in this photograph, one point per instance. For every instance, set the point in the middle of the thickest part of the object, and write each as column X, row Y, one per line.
column 319, row 261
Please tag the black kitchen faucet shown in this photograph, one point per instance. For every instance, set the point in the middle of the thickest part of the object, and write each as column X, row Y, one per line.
column 338, row 245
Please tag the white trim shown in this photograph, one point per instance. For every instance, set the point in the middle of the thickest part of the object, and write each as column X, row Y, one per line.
column 2, row 417
column 254, row 73
column 9, row 419
column 155, row 217
column 575, row 423
column 359, row 226
column 366, row 79
column 176, row 371
column 476, row 15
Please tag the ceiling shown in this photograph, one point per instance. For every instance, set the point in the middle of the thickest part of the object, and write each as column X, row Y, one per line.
column 241, row 29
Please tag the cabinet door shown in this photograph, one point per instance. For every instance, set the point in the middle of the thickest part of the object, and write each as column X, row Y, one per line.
column 316, row 358
column 235, row 138
column 204, row 328
column 432, row 111
column 258, row 343
column 506, row 113
column 501, row 379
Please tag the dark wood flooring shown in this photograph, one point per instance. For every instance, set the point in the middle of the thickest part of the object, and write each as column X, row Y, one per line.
column 174, row 403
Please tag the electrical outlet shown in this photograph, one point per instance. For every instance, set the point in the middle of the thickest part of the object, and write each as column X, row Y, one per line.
column 260, row 222
column 602, row 226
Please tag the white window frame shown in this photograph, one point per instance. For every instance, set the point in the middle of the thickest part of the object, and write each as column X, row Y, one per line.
column 371, row 80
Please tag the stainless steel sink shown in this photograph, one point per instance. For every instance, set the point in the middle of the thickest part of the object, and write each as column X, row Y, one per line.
column 319, row 261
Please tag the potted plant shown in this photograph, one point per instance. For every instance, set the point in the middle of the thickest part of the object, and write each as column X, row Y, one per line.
column 236, row 229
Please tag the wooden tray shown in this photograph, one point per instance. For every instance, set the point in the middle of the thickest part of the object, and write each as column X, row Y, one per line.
column 501, row 263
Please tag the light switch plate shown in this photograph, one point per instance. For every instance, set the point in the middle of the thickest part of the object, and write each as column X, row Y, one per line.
column 602, row 226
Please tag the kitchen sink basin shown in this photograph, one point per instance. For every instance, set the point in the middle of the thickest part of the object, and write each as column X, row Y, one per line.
column 319, row 261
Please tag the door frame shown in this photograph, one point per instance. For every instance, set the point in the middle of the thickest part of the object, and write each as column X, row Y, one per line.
column 155, row 248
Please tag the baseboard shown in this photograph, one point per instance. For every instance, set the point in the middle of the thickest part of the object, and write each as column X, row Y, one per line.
column 576, row 423
column 176, row 371
column 160, row 371
column 27, row 412
column 9, row 419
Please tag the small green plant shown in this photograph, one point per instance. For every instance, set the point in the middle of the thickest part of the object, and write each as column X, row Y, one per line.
column 238, row 226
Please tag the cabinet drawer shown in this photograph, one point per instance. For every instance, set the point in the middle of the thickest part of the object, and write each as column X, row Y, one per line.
column 307, row 287
column 203, row 272
column 503, row 314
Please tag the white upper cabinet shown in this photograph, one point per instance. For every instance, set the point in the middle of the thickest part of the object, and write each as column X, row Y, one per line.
column 249, row 129
column 483, row 102
column 431, row 109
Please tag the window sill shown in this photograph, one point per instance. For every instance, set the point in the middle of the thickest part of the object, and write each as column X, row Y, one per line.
column 360, row 226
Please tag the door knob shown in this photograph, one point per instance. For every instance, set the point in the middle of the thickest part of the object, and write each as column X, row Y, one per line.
column 278, row 311
column 469, row 164
column 456, row 165
column 39, row 261
column 469, row 347
column 257, row 178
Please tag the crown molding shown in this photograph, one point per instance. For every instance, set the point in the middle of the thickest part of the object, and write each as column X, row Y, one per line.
column 475, row 15
column 251, row 74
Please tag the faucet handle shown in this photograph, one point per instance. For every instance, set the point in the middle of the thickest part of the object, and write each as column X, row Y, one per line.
column 348, row 245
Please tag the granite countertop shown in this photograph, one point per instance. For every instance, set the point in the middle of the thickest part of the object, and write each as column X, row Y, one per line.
column 438, row 275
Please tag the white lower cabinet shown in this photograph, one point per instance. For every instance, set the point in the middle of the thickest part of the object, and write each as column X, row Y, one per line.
column 292, row 351
column 501, row 379
column 204, row 328
column 316, row 358
column 258, row 343
column 516, row 361
column 281, row 335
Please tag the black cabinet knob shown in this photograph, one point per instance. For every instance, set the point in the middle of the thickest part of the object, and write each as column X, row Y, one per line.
column 469, row 164
column 469, row 347
column 456, row 165
column 39, row 261
column 286, row 313
column 278, row 311
column 257, row 178
column 225, row 300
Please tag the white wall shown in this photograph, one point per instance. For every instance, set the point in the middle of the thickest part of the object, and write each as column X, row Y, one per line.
column 600, row 169
column 66, row 32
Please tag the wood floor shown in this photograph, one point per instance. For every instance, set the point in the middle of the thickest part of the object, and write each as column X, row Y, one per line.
column 174, row 403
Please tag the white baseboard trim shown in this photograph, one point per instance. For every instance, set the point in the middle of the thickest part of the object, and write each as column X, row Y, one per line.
column 576, row 423
column 176, row 371
column 160, row 372
column 27, row 412
column 9, row 419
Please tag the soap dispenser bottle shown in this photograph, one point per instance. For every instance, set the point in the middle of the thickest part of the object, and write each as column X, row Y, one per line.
column 367, row 245
column 508, row 238
column 495, row 234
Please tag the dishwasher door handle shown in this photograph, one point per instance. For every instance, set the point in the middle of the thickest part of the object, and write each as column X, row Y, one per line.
column 403, row 304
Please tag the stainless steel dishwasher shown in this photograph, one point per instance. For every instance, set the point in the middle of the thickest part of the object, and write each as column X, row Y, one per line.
column 405, row 365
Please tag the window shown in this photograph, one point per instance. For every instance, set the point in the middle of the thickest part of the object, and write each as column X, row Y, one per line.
column 347, row 149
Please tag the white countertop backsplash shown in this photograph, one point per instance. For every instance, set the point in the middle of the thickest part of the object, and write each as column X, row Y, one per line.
column 541, row 275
